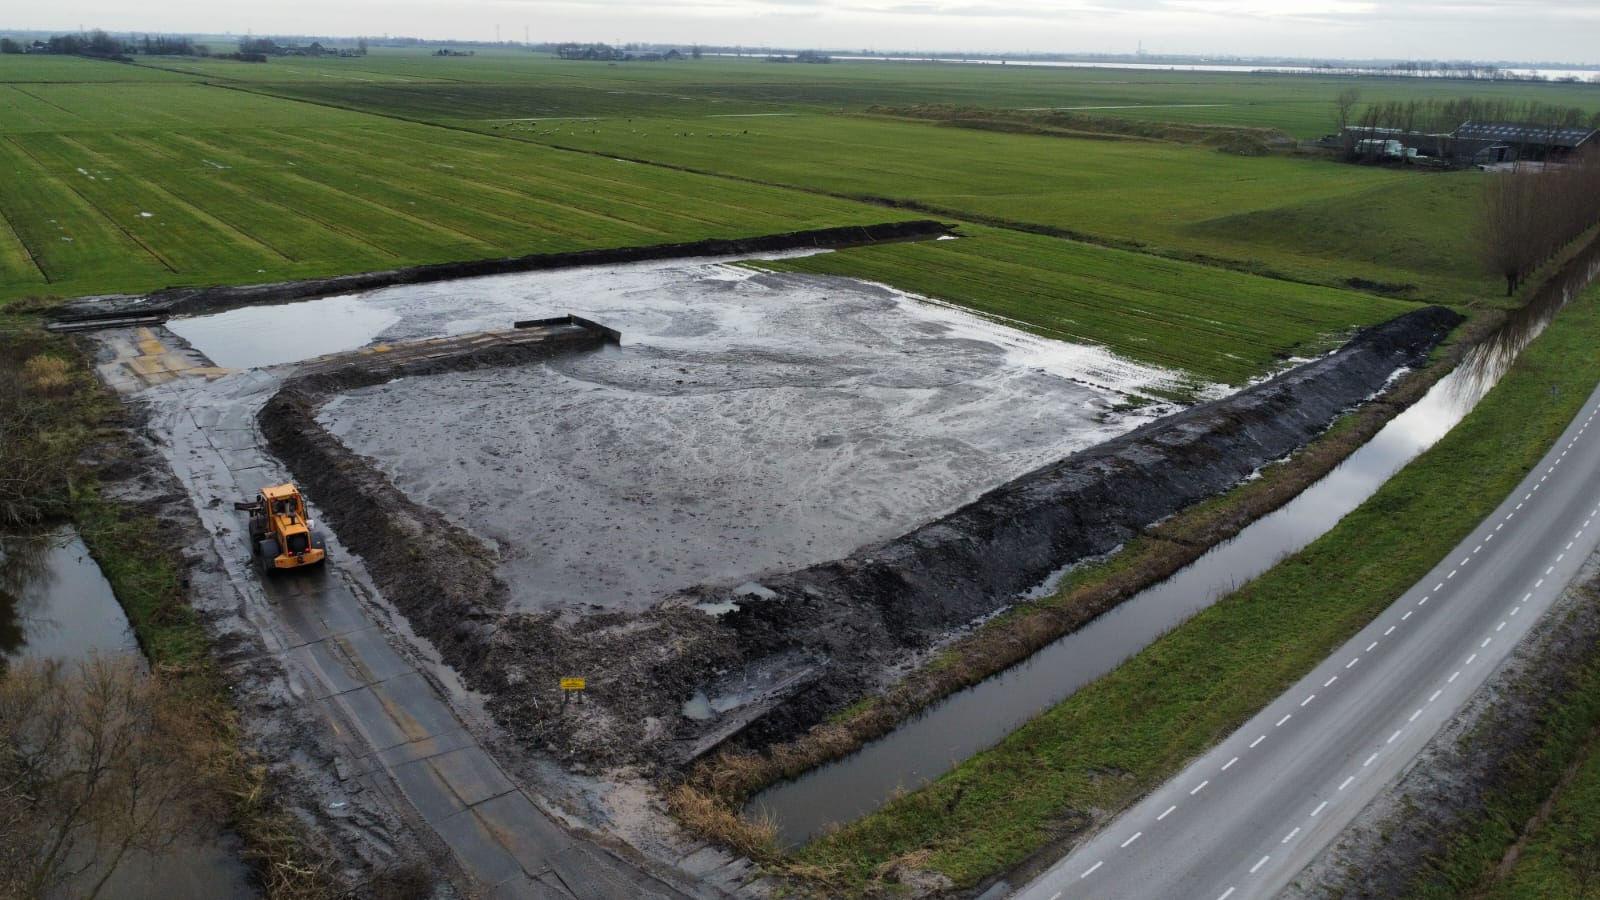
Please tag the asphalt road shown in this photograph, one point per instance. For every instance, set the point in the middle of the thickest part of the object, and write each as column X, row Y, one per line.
column 1245, row 818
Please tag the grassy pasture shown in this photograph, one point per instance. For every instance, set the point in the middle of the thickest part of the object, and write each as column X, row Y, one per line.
column 1219, row 325
column 133, row 187
column 1302, row 218
column 195, row 183
column 487, row 84
column 30, row 69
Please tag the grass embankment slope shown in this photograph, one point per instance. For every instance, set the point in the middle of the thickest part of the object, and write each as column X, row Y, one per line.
column 1192, row 687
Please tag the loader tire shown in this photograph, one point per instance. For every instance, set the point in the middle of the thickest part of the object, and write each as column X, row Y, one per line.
column 266, row 552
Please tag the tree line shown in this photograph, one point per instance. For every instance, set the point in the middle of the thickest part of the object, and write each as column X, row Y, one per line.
column 1532, row 212
column 1441, row 116
column 100, row 45
column 94, row 43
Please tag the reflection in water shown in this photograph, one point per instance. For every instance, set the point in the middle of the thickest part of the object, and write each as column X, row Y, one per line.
column 1494, row 355
column 23, row 562
column 974, row 719
column 267, row 335
column 54, row 601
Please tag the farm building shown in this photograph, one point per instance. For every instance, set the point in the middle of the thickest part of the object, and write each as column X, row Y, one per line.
column 1495, row 142
column 1473, row 143
column 1424, row 143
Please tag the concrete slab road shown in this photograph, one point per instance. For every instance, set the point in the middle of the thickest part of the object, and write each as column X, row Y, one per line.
column 390, row 718
column 1245, row 818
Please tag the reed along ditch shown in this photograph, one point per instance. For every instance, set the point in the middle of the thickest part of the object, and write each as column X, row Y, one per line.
column 970, row 721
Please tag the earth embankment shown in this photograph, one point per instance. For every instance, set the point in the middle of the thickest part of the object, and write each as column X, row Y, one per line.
column 798, row 646
column 190, row 300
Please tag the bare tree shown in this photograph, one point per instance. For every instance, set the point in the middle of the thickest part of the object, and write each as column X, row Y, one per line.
column 1343, row 104
column 1508, row 228
column 98, row 765
column 1530, row 215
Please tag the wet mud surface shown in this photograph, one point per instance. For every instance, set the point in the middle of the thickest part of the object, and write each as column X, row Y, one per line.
column 789, row 648
column 748, row 424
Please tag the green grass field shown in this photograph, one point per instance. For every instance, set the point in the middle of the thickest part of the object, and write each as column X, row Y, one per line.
column 130, row 187
column 136, row 185
column 510, row 83
column 1293, row 217
column 1233, row 326
column 1300, row 218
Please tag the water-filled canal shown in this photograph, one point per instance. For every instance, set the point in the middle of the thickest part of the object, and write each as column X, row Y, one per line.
column 976, row 718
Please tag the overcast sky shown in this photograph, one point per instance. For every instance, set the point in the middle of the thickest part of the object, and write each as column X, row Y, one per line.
column 1551, row 30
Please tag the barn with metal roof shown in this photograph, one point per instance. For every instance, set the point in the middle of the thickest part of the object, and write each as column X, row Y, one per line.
column 1491, row 142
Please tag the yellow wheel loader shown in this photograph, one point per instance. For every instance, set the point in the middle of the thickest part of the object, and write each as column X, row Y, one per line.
column 281, row 537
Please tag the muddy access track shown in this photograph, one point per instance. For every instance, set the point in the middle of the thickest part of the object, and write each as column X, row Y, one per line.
column 769, row 658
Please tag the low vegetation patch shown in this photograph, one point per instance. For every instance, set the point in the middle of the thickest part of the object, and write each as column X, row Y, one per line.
column 1561, row 856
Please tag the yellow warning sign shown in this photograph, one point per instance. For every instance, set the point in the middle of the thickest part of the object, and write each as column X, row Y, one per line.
column 572, row 684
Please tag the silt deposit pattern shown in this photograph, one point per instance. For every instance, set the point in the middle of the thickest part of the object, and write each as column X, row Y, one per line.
column 749, row 422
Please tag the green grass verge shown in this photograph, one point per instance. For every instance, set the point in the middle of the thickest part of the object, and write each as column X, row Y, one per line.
column 1218, row 325
column 1562, row 857
column 1195, row 685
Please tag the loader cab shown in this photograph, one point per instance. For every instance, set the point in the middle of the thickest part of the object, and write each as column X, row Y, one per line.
column 280, row 535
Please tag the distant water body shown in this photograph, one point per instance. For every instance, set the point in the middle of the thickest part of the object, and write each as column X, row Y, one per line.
column 1501, row 72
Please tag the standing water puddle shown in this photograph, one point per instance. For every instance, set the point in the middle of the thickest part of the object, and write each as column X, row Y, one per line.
column 974, row 719
column 243, row 338
column 54, row 602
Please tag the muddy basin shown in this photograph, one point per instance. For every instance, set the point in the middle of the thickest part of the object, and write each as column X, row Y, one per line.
column 749, row 422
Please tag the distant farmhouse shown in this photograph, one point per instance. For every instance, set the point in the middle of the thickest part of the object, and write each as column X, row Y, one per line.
column 1473, row 143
